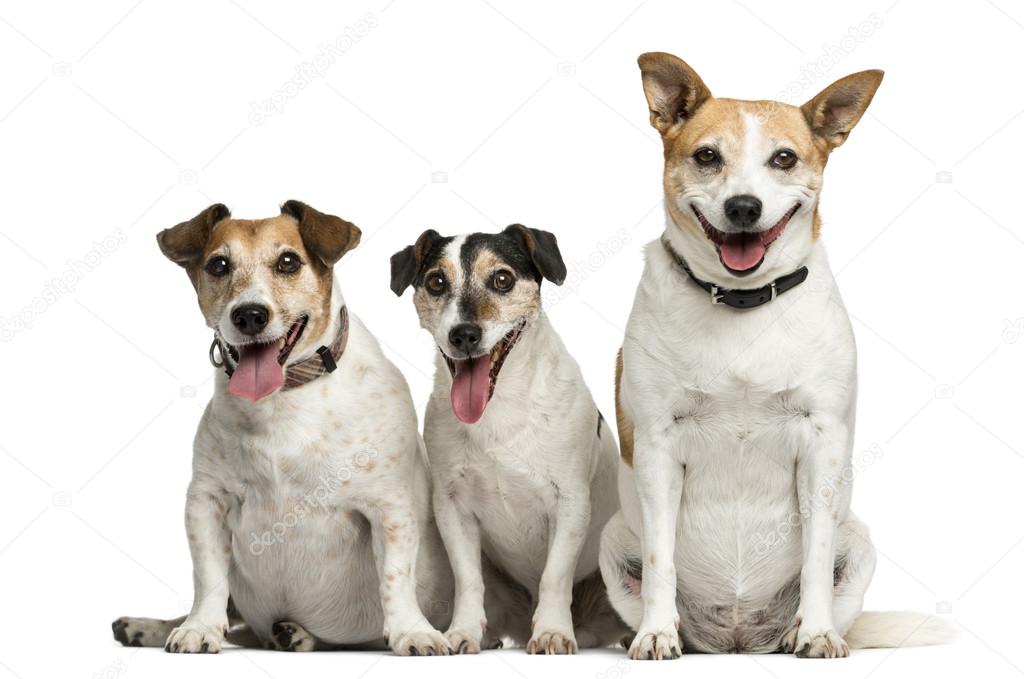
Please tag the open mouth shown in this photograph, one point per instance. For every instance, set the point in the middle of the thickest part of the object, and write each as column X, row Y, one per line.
column 473, row 379
column 742, row 253
column 259, row 366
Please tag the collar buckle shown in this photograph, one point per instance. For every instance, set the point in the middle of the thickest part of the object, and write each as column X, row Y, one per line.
column 775, row 292
column 716, row 296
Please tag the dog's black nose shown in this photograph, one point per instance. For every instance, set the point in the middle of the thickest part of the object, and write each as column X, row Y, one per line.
column 250, row 319
column 464, row 336
column 743, row 211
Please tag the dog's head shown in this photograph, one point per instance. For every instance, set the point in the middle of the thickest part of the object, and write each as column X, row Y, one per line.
column 742, row 177
column 477, row 294
column 263, row 285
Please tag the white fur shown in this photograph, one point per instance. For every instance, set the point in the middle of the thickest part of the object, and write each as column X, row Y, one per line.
column 737, row 506
column 530, row 485
column 336, row 467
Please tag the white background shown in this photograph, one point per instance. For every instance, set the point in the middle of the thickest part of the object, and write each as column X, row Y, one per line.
column 119, row 120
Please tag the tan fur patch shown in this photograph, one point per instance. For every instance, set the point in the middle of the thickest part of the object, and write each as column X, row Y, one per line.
column 252, row 248
column 622, row 421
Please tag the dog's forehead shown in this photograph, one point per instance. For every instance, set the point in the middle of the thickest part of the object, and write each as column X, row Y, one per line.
column 477, row 254
column 256, row 234
column 482, row 253
column 728, row 122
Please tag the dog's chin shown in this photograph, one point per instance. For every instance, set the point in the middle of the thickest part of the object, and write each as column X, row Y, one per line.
column 474, row 377
column 259, row 363
column 743, row 253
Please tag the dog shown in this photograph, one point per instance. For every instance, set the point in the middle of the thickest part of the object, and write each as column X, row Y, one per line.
column 736, row 388
column 308, row 514
column 524, row 465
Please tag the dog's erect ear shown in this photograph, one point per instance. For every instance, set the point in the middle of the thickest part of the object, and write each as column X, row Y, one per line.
column 183, row 243
column 542, row 246
column 405, row 263
column 674, row 91
column 833, row 112
column 326, row 237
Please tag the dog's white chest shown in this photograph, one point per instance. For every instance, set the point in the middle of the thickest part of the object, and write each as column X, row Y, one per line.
column 512, row 506
column 739, row 396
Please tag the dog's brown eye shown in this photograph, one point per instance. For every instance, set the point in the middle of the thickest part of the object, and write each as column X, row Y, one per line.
column 503, row 281
column 783, row 160
column 706, row 156
column 435, row 283
column 218, row 266
column 288, row 262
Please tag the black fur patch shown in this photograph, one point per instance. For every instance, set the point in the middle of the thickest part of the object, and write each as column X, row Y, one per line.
column 506, row 247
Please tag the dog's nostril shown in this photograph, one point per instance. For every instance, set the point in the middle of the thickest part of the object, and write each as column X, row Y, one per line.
column 743, row 211
column 464, row 336
column 250, row 319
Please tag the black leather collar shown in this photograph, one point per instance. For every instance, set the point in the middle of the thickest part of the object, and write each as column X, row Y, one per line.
column 742, row 299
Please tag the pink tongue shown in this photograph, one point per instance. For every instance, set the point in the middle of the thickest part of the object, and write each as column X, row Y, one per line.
column 742, row 254
column 471, row 388
column 258, row 373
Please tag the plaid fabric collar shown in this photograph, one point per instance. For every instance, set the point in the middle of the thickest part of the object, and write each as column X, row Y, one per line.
column 324, row 361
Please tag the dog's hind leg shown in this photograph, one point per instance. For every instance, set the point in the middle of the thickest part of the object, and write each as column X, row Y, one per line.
column 151, row 632
column 621, row 562
column 854, row 566
column 595, row 622
column 508, row 607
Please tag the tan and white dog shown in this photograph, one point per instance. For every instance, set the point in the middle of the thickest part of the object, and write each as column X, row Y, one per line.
column 736, row 391
column 523, row 463
column 309, row 503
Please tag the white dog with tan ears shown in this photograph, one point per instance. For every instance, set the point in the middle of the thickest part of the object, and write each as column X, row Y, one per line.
column 736, row 392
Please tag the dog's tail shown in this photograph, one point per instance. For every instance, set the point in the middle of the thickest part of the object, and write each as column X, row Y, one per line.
column 885, row 629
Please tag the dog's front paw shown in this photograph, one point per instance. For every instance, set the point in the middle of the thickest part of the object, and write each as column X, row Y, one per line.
column 822, row 643
column 656, row 645
column 290, row 636
column 196, row 637
column 551, row 641
column 463, row 642
column 424, row 642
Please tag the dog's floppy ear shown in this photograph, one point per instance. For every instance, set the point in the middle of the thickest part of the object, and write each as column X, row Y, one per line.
column 405, row 263
column 326, row 237
column 542, row 246
column 674, row 91
column 833, row 112
column 183, row 243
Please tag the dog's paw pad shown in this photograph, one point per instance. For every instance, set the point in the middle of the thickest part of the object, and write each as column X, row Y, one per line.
column 126, row 632
column 656, row 646
column 550, row 642
column 788, row 642
column 422, row 643
column 139, row 631
column 290, row 636
column 195, row 638
column 462, row 642
column 824, row 644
